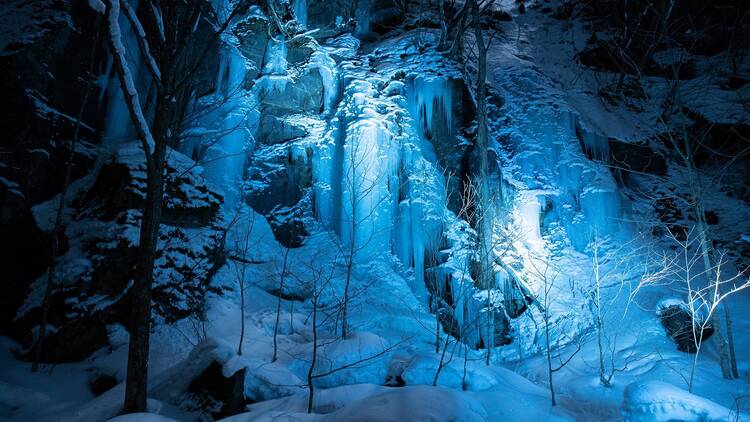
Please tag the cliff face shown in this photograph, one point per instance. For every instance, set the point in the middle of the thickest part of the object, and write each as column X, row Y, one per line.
column 67, row 108
column 46, row 62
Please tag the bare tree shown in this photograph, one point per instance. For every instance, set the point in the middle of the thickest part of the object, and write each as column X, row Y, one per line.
column 361, row 180
column 547, row 273
column 169, row 52
column 685, row 146
column 617, row 266
column 239, row 257
column 282, row 275
column 320, row 279
column 706, row 290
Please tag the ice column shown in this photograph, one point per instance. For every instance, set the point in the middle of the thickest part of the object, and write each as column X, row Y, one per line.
column 225, row 155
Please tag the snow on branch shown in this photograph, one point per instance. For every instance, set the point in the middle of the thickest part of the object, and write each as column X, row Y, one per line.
column 126, row 78
column 159, row 20
column 97, row 5
column 153, row 68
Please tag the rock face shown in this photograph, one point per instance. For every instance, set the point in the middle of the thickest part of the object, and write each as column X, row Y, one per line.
column 54, row 71
column 363, row 17
column 46, row 49
column 678, row 323
column 95, row 272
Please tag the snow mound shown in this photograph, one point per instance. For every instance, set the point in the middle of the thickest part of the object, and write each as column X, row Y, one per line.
column 415, row 403
column 141, row 417
column 371, row 403
column 657, row 401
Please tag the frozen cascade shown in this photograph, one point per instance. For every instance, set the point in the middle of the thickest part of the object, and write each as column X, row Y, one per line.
column 224, row 158
column 300, row 11
column 581, row 194
column 275, row 59
column 275, row 76
column 328, row 70
column 365, row 190
column 529, row 211
column 396, row 196
column 594, row 143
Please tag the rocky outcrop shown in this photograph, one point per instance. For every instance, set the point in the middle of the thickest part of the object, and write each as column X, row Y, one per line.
column 95, row 272
column 46, row 49
column 682, row 327
column 223, row 396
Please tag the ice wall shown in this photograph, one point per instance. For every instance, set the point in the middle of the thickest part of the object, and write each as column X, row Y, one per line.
column 230, row 122
column 553, row 150
column 376, row 181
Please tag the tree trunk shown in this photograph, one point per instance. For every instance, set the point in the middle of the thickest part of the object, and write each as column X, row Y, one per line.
column 278, row 307
column 486, row 218
column 549, row 359
column 310, row 386
column 721, row 341
column 458, row 39
column 482, row 144
column 345, row 303
column 136, row 387
column 443, row 42
column 730, row 338
column 242, row 318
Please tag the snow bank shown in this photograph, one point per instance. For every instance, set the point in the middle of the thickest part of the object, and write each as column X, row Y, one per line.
column 656, row 401
column 141, row 417
column 416, row 403
column 371, row 403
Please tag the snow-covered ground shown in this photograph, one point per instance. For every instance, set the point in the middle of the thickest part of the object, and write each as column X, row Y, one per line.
column 548, row 101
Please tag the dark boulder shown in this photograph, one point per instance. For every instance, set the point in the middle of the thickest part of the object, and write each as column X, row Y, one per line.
column 101, row 383
column 221, row 396
column 682, row 328
column 282, row 180
column 627, row 159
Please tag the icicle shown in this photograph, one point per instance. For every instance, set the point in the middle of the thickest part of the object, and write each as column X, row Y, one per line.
column 225, row 130
column 428, row 96
column 529, row 211
column 329, row 74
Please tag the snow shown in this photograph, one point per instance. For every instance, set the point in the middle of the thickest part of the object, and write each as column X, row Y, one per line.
column 373, row 160
column 44, row 110
column 141, row 417
column 118, row 120
column 418, row 403
column 367, row 402
column 97, row 5
column 657, row 401
column 24, row 23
